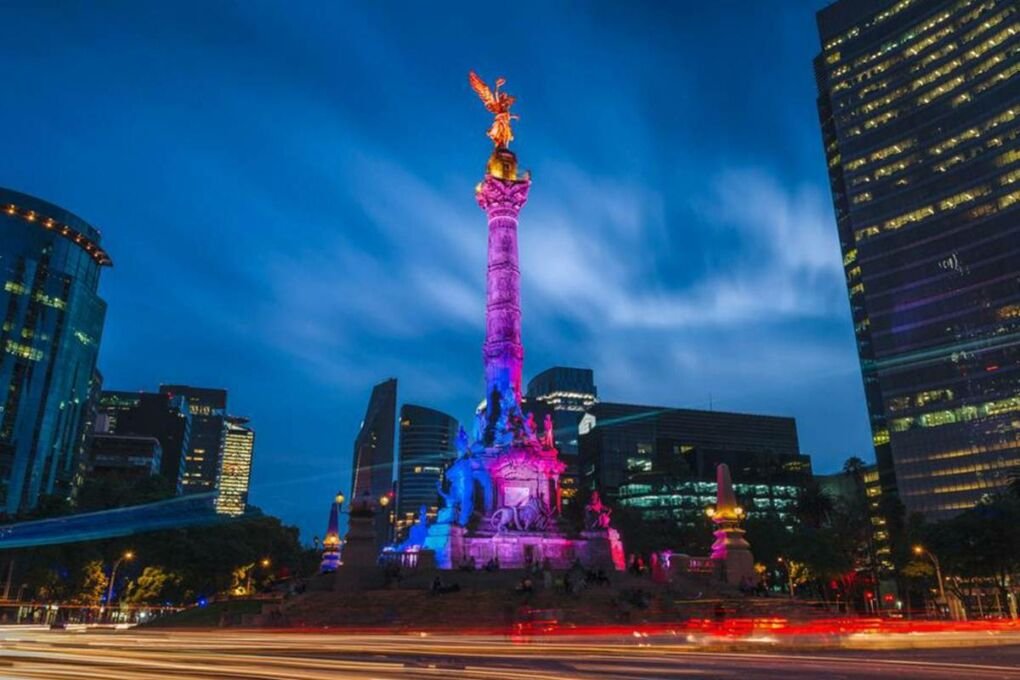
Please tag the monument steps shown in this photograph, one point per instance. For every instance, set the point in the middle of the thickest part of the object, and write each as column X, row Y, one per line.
column 489, row 600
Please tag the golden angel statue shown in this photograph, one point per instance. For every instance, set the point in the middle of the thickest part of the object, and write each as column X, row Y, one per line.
column 499, row 104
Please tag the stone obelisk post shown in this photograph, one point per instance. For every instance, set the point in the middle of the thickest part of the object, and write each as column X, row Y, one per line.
column 502, row 195
column 331, row 543
column 730, row 550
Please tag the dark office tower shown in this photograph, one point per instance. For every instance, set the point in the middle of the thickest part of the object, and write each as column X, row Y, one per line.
column 51, row 321
column 208, row 408
column 90, row 415
column 920, row 110
column 426, row 445
column 567, row 393
column 621, row 440
column 373, row 459
column 111, row 406
column 123, row 457
column 661, row 462
column 160, row 415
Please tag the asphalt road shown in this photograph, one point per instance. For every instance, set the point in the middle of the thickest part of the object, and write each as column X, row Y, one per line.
column 215, row 654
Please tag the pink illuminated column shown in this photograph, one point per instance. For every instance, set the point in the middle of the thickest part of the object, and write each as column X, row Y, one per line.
column 503, row 353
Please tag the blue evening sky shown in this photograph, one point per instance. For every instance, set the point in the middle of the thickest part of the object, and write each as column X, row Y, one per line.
column 287, row 193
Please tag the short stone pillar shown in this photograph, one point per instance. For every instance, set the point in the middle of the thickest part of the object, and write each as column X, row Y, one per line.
column 359, row 568
column 731, row 551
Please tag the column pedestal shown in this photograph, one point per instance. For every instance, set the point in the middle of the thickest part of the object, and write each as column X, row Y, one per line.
column 360, row 568
column 733, row 555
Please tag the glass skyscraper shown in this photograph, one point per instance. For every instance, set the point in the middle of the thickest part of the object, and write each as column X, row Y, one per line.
column 208, row 408
column 234, row 476
column 919, row 104
column 426, row 445
column 52, row 322
column 372, row 474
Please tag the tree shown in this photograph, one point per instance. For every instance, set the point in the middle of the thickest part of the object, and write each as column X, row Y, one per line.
column 814, row 506
column 918, row 569
column 45, row 584
column 106, row 493
column 91, row 584
column 983, row 542
column 154, row 585
column 203, row 557
column 643, row 535
column 769, row 537
column 854, row 466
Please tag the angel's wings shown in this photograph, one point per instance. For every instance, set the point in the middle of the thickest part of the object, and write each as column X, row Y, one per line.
column 483, row 91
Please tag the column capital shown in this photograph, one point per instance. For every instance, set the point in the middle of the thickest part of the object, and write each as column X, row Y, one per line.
column 502, row 197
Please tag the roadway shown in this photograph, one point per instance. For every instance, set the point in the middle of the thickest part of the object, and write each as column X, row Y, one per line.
column 267, row 655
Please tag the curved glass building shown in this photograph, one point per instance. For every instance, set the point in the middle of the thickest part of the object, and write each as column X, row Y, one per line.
column 51, row 321
column 427, row 439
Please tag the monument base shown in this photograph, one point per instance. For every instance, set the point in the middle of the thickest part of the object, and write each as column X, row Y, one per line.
column 446, row 542
column 604, row 549
column 453, row 547
column 519, row 550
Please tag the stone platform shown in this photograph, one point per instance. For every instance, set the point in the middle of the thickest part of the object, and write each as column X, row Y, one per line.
column 489, row 601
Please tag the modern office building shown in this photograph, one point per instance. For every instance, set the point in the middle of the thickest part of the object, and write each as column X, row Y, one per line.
column 566, row 393
column 372, row 474
column 425, row 447
column 662, row 461
column 234, row 476
column 919, row 105
column 124, row 456
column 50, row 329
column 619, row 441
column 208, row 408
column 160, row 415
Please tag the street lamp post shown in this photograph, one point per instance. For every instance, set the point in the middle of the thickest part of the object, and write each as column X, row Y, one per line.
column 384, row 501
column 113, row 575
column 789, row 575
column 919, row 550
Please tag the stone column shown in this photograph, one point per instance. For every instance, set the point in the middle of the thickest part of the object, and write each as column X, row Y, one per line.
column 503, row 353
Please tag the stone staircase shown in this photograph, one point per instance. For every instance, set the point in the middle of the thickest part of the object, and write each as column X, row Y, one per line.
column 488, row 601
